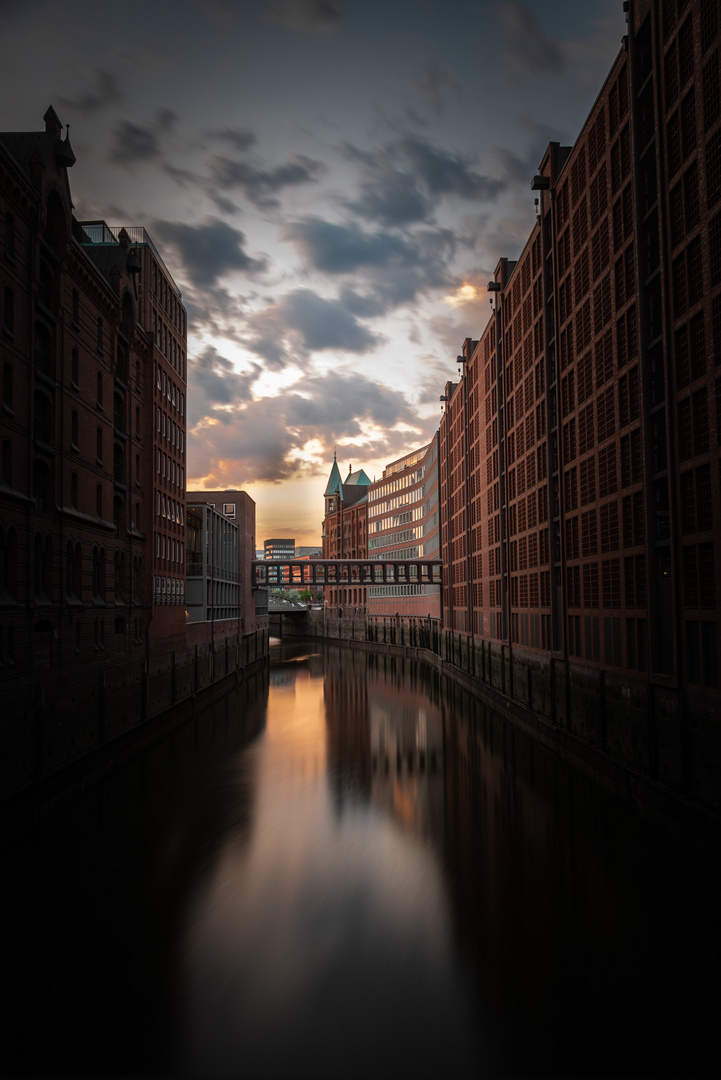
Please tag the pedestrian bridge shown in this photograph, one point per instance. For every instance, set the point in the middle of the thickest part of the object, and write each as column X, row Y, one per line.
column 294, row 572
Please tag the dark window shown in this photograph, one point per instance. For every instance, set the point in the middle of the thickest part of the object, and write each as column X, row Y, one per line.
column 44, row 359
column 9, row 310
column 43, row 416
column 8, row 397
column 9, row 235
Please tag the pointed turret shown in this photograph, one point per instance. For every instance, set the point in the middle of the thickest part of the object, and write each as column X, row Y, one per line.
column 334, row 481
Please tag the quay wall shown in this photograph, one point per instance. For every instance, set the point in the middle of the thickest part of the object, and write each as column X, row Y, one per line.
column 67, row 732
column 653, row 746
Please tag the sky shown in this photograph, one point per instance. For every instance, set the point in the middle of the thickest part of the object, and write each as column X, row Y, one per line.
column 331, row 184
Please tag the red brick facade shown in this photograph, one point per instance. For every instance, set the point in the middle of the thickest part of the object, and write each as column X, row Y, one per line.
column 580, row 450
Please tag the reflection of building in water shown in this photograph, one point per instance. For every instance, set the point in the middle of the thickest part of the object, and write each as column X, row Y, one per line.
column 406, row 737
column 347, row 728
column 283, row 676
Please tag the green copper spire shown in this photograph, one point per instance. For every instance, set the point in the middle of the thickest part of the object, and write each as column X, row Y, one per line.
column 334, row 481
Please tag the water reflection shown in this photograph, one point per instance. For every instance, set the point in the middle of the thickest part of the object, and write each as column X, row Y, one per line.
column 351, row 868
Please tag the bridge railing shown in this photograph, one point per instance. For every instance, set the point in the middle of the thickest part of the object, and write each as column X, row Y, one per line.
column 342, row 571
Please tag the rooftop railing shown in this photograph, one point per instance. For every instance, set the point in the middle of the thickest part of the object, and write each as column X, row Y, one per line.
column 98, row 232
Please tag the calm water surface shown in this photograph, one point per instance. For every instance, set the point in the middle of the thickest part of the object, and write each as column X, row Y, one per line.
column 349, row 868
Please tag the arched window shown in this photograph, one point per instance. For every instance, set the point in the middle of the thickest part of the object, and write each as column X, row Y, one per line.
column 8, row 396
column 44, row 358
column 8, row 563
column 7, row 462
column 70, row 569
column 118, row 464
column 121, row 364
column 43, row 415
column 101, row 579
column 119, row 575
column 9, row 235
column 119, row 516
column 78, row 566
column 118, row 411
column 48, row 568
column 42, row 644
column 9, row 310
column 42, row 487
column 39, row 566
column 46, row 286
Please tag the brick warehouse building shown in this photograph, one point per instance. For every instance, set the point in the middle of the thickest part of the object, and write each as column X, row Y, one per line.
column 345, row 535
column 93, row 443
column 157, row 447
column 580, row 449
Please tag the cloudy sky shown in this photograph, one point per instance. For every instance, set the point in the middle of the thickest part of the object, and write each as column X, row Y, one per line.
column 330, row 182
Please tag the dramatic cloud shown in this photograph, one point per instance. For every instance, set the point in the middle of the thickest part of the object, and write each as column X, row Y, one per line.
column 265, row 441
column 435, row 82
column 103, row 93
column 526, row 49
column 390, row 269
column 209, row 250
column 262, row 185
column 447, row 174
column 342, row 249
column 404, row 180
column 314, row 16
column 215, row 382
column 303, row 322
column 133, row 143
column 392, row 199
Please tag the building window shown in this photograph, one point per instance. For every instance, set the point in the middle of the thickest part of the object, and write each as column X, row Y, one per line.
column 74, row 429
column 42, row 487
column 9, row 235
column 42, row 413
column 7, row 463
column 8, row 387
column 9, row 311
column 44, row 361
column 74, row 369
column 99, row 391
column 8, row 563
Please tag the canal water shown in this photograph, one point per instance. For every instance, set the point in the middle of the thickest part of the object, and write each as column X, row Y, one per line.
column 351, row 868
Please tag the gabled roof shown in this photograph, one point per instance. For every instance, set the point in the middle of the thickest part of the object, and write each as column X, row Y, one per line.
column 358, row 478
column 334, row 481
